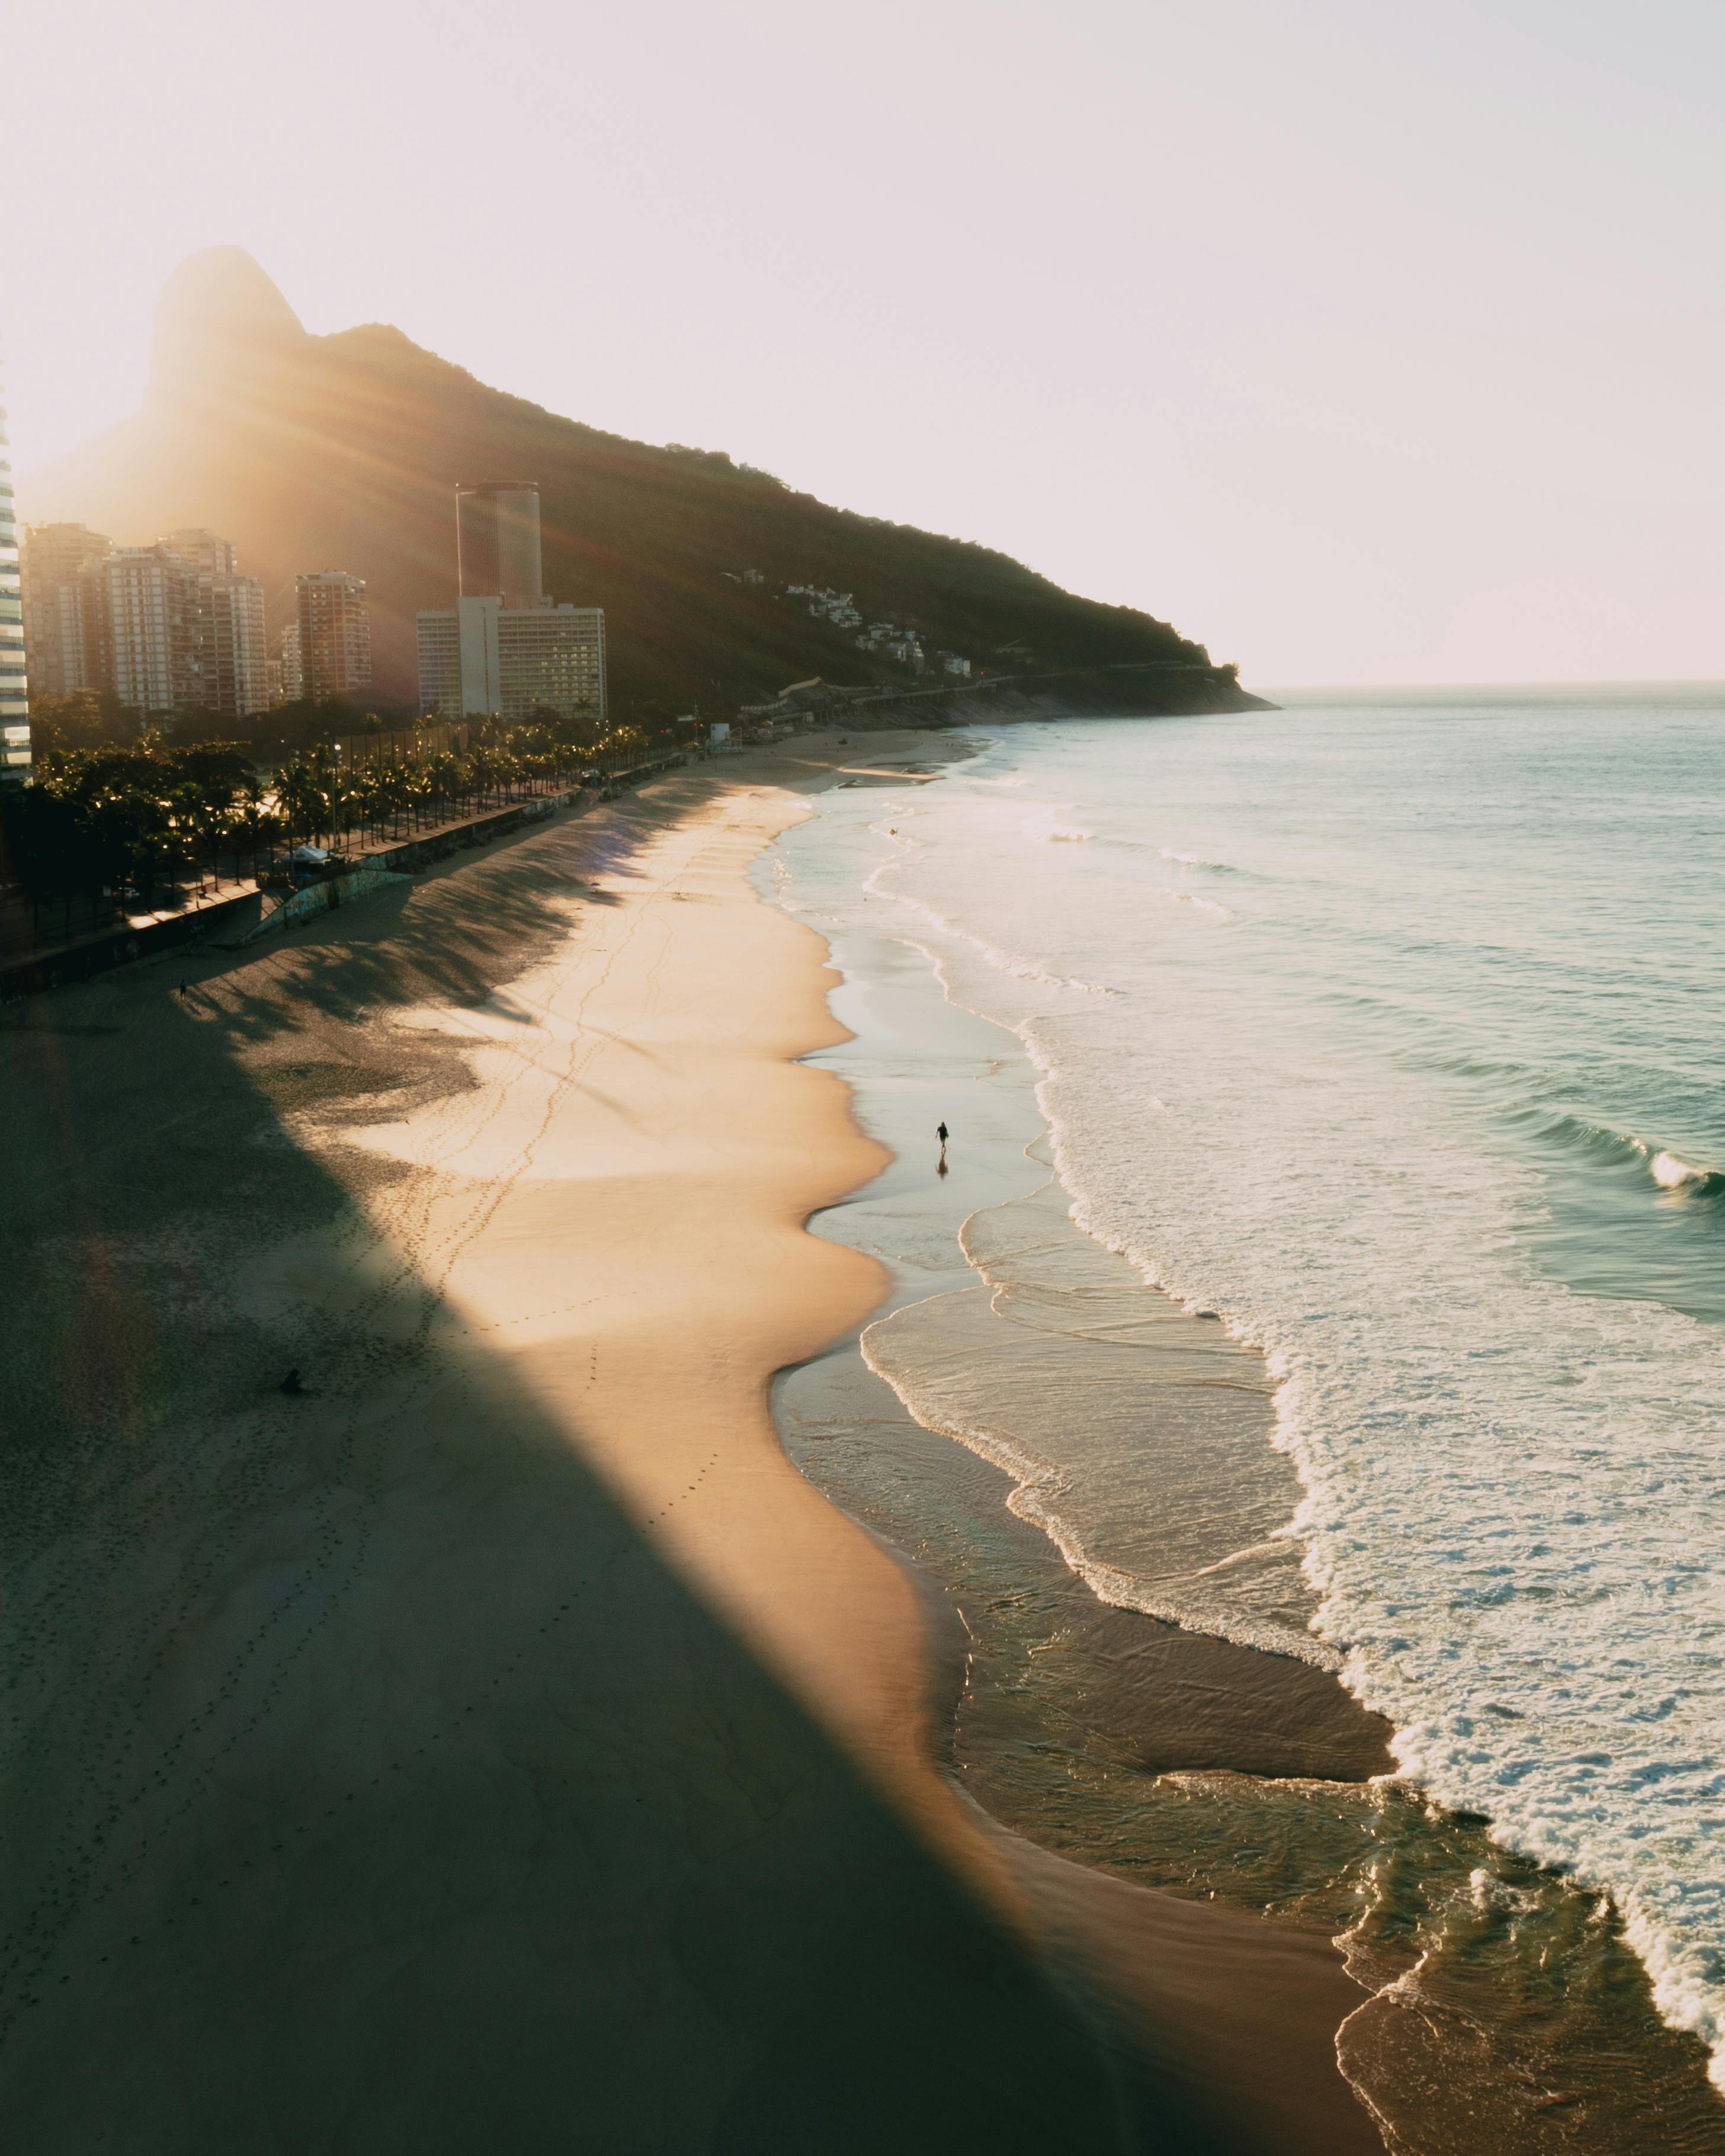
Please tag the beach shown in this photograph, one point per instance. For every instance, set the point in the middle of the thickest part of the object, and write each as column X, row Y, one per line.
column 1297, row 1286
column 501, row 1743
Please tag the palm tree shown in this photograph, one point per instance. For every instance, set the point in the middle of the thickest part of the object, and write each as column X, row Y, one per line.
column 249, row 823
column 301, row 800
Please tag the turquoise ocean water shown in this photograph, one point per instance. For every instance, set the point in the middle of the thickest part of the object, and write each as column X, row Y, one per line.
column 1392, row 1032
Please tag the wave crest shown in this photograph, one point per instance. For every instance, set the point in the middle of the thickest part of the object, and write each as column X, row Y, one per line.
column 1197, row 861
column 1621, row 1148
column 1670, row 1174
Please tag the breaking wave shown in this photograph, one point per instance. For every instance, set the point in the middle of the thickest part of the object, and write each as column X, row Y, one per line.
column 1477, row 982
column 1197, row 861
column 1666, row 1170
column 1513, row 1492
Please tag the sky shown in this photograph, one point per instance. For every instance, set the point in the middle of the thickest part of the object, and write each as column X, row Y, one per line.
column 1366, row 342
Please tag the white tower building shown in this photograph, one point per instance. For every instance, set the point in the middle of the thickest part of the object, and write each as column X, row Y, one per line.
column 504, row 647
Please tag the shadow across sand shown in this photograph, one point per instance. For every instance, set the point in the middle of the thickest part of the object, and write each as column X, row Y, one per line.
column 372, row 1782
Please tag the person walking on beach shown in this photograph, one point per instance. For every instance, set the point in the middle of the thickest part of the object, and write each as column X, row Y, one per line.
column 942, row 1133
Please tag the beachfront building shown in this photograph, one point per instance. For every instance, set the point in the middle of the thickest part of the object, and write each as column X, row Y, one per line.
column 334, row 632
column 286, row 680
column 504, row 648
column 142, row 633
column 51, row 562
column 481, row 657
column 214, row 559
column 293, row 674
column 439, row 644
column 14, row 697
column 233, row 661
column 169, row 627
column 236, row 680
column 497, row 550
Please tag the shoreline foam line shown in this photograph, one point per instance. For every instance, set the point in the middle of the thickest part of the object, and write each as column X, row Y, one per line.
column 933, row 838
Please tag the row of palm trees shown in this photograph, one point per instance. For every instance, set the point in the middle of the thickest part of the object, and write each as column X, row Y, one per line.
column 317, row 797
column 111, row 828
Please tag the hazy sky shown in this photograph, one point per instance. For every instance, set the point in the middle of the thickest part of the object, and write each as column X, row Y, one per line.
column 1365, row 339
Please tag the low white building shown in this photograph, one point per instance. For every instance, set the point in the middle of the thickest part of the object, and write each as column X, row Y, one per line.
column 479, row 657
column 826, row 604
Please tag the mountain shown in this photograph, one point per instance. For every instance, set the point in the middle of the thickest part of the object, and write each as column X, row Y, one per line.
column 344, row 451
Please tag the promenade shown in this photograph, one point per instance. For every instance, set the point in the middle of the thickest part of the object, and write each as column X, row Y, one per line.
column 34, row 958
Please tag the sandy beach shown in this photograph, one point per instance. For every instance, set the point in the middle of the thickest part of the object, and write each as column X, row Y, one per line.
column 502, row 1745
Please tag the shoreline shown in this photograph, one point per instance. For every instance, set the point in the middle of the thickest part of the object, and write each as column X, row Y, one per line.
column 1426, row 1907
column 1247, row 2010
column 498, row 1739
column 454, row 1747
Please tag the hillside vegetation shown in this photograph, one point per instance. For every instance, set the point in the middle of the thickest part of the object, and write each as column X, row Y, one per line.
column 344, row 451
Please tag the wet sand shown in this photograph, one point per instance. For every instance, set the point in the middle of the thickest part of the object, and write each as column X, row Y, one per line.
column 1497, row 2007
column 502, row 1745
column 1044, row 1687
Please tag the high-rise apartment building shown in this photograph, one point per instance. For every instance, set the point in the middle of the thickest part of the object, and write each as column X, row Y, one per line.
column 334, row 632
column 236, row 678
column 234, row 659
column 479, row 657
column 293, row 672
column 440, row 663
column 287, row 679
column 52, row 561
column 168, row 628
column 497, row 553
column 215, row 559
column 143, row 627
column 14, row 695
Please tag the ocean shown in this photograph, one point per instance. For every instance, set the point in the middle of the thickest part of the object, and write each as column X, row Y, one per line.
column 1385, row 1038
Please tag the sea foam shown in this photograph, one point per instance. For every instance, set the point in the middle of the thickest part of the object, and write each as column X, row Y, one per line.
column 1514, row 1493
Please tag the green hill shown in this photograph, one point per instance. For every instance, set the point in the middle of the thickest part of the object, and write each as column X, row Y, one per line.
column 344, row 451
